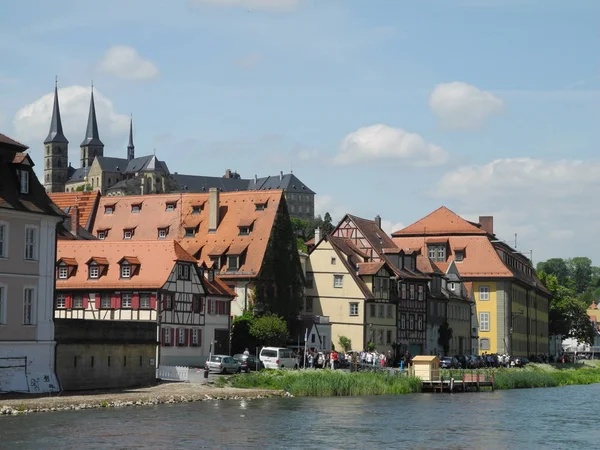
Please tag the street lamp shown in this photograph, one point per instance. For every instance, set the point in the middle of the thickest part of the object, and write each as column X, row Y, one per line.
column 512, row 320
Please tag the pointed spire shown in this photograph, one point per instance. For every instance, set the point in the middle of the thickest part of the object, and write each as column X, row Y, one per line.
column 91, row 132
column 56, row 135
column 130, row 146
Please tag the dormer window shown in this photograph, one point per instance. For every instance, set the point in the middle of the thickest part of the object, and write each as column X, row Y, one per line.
column 24, row 181
column 136, row 208
column 171, row 206
column 66, row 267
column 233, row 263
column 109, row 209
column 183, row 271
column 191, row 231
column 216, row 260
column 162, row 233
column 96, row 266
column 244, row 231
column 128, row 233
column 196, row 209
column 125, row 270
column 94, row 271
column 211, row 275
column 102, row 234
column 260, row 206
column 128, row 264
column 437, row 252
column 63, row 272
column 459, row 254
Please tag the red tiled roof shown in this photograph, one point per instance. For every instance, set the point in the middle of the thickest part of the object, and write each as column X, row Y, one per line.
column 370, row 268
column 156, row 260
column 68, row 261
column 85, row 201
column 442, row 221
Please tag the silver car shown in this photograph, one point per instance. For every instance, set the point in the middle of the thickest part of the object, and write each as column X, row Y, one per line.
column 222, row 364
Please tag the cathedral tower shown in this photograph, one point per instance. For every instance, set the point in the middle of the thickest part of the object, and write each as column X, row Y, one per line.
column 130, row 146
column 91, row 146
column 56, row 152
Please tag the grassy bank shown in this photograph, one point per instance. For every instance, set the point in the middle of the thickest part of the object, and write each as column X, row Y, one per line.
column 327, row 383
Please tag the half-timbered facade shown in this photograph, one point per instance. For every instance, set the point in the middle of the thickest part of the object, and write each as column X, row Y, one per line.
column 411, row 284
column 152, row 281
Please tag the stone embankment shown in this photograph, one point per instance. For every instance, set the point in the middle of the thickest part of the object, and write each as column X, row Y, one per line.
column 165, row 393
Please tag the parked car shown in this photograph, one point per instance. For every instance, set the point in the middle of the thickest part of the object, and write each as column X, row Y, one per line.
column 278, row 358
column 222, row 364
column 449, row 362
column 249, row 362
column 519, row 361
column 462, row 360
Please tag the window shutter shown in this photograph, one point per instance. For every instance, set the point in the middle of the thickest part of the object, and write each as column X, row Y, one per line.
column 172, row 336
column 200, row 337
column 162, row 336
column 228, row 307
column 201, row 305
column 98, row 301
column 187, row 337
column 152, row 301
column 68, row 301
column 135, row 300
column 86, row 301
column 209, row 306
column 115, row 301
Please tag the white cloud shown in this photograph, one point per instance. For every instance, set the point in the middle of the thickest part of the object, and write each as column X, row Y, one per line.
column 381, row 142
column 549, row 204
column 125, row 62
column 250, row 60
column 325, row 203
column 389, row 227
column 31, row 122
column 307, row 154
column 460, row 105
column 265, row 5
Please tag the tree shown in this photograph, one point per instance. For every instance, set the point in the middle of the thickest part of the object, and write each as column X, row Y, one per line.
column 580, row 269
column 445, row 334
column 327, row 226
column 240, row 333
column 86, row 187
column 557, row 267
column 269, row 330
column 345, row 343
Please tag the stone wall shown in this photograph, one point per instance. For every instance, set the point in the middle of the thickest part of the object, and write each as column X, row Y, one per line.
column 98, row 354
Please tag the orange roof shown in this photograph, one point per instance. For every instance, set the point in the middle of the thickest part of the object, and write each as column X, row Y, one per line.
column 218, row 287
column 442, row 221
column 369, row 268
column 156, row 259
column 234, row 207
column 68, row 261
column 85, row 201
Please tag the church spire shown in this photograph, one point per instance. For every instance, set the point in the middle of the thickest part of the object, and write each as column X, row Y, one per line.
column 91, row 132
column 130, row 146
column 56, row 135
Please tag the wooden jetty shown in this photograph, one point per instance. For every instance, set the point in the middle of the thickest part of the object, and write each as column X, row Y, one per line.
column 465, row 382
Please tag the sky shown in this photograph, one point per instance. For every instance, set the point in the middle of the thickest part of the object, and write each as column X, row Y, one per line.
column 389, row 107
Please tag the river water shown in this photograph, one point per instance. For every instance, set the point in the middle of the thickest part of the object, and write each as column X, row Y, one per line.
column 554, row 418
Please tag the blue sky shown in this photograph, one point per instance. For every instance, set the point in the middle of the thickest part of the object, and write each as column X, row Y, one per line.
column 489, row 107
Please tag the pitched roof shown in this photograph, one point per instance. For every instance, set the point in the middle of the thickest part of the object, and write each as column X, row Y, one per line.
column 343, row 250
column 370, row 268
column 371, row 231
column 79, row 175
column 156, row 259
column 55, row 134
column 11, row 144
column 442, row 221
column 91, row 132
column 289, row 182
column 233, row 206
column 86, row 202
column 217, row 287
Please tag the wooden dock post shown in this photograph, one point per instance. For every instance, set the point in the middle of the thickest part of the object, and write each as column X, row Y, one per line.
column 451, row 384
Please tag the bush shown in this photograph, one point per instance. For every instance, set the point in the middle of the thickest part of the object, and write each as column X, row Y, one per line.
column 270, row 330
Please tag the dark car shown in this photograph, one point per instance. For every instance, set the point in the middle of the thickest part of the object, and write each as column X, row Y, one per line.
column 249, row 362
column 449, row 362
column 462, row 360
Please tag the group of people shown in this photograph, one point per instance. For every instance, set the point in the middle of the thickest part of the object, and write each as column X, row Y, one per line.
column 333, row 360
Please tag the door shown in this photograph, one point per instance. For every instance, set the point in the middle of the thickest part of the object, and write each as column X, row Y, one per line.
column 221, row 342
column 461, row 346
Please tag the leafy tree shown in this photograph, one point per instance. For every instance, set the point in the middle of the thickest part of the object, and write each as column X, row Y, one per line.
column 557, row 267
column 567, row 316
column 240, row 333
column 445, row 334
column 370, row 346
column 86, row 187
column 345, row 343
column 270, row 330
column 580, row 269
column 327, row 227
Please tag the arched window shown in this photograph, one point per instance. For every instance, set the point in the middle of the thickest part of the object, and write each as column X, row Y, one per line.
column 47, row 164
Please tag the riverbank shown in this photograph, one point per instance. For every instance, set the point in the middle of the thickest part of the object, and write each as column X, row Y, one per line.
column 164, row 393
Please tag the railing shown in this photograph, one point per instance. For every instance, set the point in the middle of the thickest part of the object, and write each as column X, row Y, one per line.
column 172, row 373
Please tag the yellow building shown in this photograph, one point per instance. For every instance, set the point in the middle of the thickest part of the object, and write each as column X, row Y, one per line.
column 511, row 302
column 359, row 297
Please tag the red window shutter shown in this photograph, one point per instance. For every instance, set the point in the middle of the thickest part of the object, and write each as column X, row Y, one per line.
column 98, row 301
column 115, row 302
column 68, row 301
column 172, row 336
column 152, row 301
column 135, row 300
column 86, row 301
column 162, row 336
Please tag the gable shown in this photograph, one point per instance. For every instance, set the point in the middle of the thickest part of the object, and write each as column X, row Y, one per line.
column 442, row 221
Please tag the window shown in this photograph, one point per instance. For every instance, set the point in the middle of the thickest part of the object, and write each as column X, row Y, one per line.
column 403, row 291
column 195, row 337
column 24, row 181
column 380, row 337
column 183, row 271
column 168, row 302
column 63, row 272
column 484, row 292
column 437, row 252
column 136, row 208
column 260, row 207
column 125, row 270
column 125, row 300
column 190, row 232
column 420, row 323
column 162, row 233
column 109, row 209
column 452, row 286
column 388, row 338
column 105, row 301
column 3, row 240
column 28, row 306
column 371, row 310
column 338, row 281
column 78, row 302
column 216, row 260
column 181, row 336
column 101, row 235
column 127, row 234
column 484, row 321
column 144, row 301
column 233, row 263
column 2, row 304
column 170, row 206
column 244, row 231
column 333, row 261
column 196, row 209
column 354, row 309
column 420, row 292
column 459, row 255
column 309, row 304
column 411, row 291
column 30, row 243
column 484, row 344
column 411, row 322
column 61, row 301
column 309, row 279
column 167, row 336
column 390, row 311
column 403, row 321
column 380, row 311
column 94, row 271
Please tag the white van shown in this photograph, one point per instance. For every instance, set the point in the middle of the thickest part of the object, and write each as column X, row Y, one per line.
column 278, row 358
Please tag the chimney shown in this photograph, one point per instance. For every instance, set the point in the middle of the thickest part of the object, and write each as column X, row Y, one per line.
column 487, row 223
column 281, row 175
column 255, row 178
column 227, row 173
column 317, row 235
column 75, row 221
column 213, row 209
column 378, row 221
